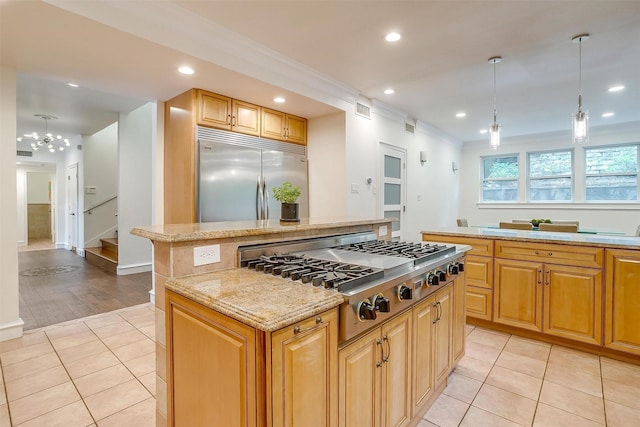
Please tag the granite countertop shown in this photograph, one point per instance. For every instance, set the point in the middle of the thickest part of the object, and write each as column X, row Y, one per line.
column 599, row 240
column 263, row 301
column 227, row 229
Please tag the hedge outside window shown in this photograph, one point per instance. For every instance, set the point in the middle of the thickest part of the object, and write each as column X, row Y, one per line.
column 550, row 176
column 611, row 173
column 500, row 178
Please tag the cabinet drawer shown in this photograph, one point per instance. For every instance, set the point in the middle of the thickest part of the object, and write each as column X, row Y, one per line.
column 580, row 256
column 479, row 271
column 479, row 302
column 482, row 247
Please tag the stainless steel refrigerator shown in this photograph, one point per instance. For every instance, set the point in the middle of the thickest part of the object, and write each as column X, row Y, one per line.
column 236, row 173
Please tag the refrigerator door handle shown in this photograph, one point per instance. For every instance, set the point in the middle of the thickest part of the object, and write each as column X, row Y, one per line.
column 259, row 201
column 266, row 198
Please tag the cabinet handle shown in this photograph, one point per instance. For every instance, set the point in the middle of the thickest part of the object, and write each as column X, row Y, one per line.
column 548, row 280
column 435, row 305
column 550, row 253
column 378, row 342
column 384, row 359
column 536, row 252
column 539, row 276
column 298, row 330
column 234, row 121
column 228, row 119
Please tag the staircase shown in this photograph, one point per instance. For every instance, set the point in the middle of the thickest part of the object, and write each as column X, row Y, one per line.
column 104, row 256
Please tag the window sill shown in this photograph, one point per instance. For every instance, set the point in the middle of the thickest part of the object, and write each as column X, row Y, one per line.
column 560, row 205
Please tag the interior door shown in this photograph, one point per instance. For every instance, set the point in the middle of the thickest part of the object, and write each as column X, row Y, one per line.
column 393, row 183
column 72, row 200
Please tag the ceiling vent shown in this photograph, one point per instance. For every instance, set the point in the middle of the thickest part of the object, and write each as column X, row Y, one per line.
column 363, row 110
column 24, row 153
column 408, row 127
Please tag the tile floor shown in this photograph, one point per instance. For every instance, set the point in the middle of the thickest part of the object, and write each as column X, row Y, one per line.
column 100, row 371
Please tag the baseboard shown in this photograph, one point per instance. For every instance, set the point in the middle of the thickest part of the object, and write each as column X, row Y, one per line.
column 11, row 330
column 152, row 296
column 123, row 270
column 80, row 252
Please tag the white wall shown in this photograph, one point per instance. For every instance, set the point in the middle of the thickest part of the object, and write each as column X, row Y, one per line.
column 38, row 187
column 100, row 171
column 135, row 190
column 10, row 323
column 432, row 188
column 621, row 216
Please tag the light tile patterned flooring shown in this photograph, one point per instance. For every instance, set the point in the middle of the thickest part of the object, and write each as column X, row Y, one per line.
column 100, row 370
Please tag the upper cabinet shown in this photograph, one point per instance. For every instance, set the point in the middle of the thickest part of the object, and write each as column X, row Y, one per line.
column 283, row 127
column 222, row 112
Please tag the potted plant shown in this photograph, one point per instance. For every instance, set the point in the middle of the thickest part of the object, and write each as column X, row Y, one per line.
column 287, row 194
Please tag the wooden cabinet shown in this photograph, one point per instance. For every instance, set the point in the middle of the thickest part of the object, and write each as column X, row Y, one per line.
column 222, row 112
column 622, row 301
column 283, row 127
column 422, row 389
column 223, row 372
column 559, row 300
column 478, row 273
column 375, row 376
column 459, row 319
column 442, row 335
column 304, row 373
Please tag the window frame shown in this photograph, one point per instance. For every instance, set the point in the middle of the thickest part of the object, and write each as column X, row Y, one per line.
column 586, row 175
column 571, row 175
column 483, row 179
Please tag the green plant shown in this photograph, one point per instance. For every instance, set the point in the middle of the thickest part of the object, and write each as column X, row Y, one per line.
column 286, row 193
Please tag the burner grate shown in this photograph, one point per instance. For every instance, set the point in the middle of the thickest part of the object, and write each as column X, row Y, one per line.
column 419, row 252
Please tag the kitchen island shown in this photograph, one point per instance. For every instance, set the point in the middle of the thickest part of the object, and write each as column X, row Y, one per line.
column 238, row 347
column 577, row 290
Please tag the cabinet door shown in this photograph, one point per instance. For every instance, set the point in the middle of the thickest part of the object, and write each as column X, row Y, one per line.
column 359, row 383
column 245, row 118
column 517, row 299
column 622, row 302
column 479, row 271
column 205, row 348
column 396, row 371
column 296, row 129
column 573, row 303
column 214, row 110
column 273, row 124
column 304, row 370
column 459, row 320
column 479, row 303
column 442, row 334
column 422, row 368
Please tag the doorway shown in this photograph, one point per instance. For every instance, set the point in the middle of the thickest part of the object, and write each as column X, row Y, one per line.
column 393, row 181
column 72, row 201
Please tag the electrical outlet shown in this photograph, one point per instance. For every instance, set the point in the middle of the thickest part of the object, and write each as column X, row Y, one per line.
column 203, row 255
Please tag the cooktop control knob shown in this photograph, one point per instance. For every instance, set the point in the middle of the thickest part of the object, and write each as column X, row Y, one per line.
column 381, row 303
column 366, row 311
column 460, row 267
column 453, row 269
column 433, row 279
column 404, row 293
column 442, row 275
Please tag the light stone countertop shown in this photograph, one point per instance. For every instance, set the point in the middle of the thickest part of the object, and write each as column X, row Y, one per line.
column 263, row 301
column 227, row 229
column 598, row 240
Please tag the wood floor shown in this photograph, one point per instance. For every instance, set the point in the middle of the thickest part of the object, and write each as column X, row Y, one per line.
column 58, row 285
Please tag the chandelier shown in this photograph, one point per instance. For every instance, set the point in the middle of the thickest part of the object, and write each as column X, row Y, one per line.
column 53, row 143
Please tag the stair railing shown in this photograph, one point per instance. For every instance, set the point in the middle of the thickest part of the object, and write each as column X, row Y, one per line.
column 88, row 210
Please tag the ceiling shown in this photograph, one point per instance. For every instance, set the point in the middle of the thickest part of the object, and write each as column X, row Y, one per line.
column 314, row 52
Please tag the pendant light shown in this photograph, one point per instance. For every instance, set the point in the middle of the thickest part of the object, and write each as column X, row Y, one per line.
column 581, row 118
column 494, row 129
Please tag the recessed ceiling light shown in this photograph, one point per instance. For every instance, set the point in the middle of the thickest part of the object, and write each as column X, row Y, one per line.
column 608, row 114
column 186, row 70
column 616, row 88
column 279, row 99
column 72, row 84
column 483, row 131
column 461, row 114
column 389, row 91
column 392, row 37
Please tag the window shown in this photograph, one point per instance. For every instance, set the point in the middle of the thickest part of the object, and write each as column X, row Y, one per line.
column 500, row 179
column 612, row 173
column 550, row 176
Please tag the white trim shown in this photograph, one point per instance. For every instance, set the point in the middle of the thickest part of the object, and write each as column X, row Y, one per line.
column 556, row 206
column 152, row 296
column 134, row 268
column 11, row 330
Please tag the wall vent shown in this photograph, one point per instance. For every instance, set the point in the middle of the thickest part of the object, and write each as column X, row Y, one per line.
column 408, row 127
column 24, row 153
column 363, row 110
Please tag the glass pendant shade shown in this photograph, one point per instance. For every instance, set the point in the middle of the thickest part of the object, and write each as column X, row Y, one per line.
column 581, row 127
column 494, row 129
column 494, row 132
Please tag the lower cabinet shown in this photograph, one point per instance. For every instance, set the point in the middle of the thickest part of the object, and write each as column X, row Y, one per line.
column 375, row 376
column 222, row 372
column 622, row 301
column 559, row 300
